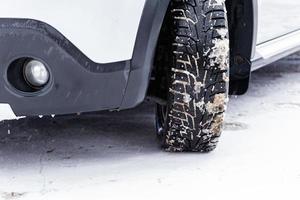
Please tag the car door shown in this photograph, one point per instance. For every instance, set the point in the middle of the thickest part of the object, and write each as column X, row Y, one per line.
column 277, row 18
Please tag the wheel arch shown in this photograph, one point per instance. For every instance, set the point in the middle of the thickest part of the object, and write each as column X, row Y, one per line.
column 243, row 27
column 144, row 52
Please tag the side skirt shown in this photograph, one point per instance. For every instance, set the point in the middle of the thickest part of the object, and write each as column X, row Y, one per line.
column 273, row 50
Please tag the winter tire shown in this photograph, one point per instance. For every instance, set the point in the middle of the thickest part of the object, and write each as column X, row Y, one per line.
column 198, row 48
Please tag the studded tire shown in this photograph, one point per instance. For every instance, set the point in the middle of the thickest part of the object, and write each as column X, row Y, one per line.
column 197, row 81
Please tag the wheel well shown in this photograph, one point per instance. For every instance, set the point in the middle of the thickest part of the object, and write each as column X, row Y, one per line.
column 242, row 31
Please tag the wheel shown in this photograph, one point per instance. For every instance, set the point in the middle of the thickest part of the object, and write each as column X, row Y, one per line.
column 196, row 62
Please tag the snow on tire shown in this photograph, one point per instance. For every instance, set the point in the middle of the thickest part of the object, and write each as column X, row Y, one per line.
column 198, row 75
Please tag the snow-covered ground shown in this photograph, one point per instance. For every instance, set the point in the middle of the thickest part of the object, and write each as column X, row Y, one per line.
column 115, row 155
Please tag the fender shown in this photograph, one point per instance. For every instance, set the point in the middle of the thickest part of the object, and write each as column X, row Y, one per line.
column 144, row 52
column 102, row 29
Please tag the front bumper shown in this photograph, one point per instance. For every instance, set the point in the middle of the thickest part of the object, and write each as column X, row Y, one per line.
column 78, row 84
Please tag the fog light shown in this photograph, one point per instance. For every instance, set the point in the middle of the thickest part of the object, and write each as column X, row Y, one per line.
column 36, row 73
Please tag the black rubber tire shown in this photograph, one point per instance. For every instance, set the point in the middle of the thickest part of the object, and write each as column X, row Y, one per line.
column 198, row 78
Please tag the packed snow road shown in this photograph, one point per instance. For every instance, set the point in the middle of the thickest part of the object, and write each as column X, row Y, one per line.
column 115, row 155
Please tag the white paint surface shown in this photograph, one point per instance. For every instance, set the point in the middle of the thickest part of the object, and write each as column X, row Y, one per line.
column 115, row 155
column 277, row 18
column 104, row 30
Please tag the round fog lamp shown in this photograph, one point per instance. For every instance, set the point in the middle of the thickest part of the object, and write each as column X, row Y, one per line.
column 36, row 73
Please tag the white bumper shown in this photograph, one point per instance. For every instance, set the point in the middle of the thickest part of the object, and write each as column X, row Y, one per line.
column 104, row 30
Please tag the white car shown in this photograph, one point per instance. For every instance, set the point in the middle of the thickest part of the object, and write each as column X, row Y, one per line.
column 63, row 57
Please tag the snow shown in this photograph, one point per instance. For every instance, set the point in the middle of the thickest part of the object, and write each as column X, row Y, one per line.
column 115, row 155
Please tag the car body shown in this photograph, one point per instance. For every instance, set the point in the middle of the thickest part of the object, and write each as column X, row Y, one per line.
column 100, row 53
